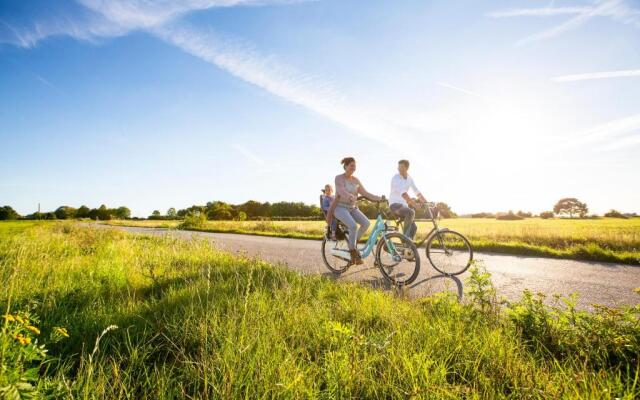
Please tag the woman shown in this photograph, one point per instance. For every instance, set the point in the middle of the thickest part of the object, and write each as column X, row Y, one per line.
column 326, row 198
column 345, row 207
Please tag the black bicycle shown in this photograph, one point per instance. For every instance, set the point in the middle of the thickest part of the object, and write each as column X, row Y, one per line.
column 449, row 252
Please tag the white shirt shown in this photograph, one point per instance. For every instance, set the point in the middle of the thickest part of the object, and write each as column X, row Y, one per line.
column 400, row 185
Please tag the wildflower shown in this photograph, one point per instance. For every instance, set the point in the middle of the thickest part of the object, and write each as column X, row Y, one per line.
column 33, row 329
column 19, row 318
column 9, row 317
column 23, row 340
column 61, row 331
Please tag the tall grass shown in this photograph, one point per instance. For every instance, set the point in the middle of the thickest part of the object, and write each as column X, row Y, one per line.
column 605, row 239
column 151, row 317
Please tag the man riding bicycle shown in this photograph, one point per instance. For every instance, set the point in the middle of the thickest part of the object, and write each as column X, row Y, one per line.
column 400, row 203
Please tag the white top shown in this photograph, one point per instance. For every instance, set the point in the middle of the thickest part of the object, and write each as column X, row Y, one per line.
column 400, row 185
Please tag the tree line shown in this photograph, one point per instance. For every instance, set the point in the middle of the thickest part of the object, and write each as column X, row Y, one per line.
column 66, row 212
column 284, row 210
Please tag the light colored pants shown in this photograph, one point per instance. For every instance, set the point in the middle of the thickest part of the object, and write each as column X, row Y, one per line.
column 409, row 215
column 352, row 217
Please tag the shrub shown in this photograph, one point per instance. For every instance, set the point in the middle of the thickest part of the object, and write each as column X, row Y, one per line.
column 193, row 221
column 510, row 216
column 615, row 214
column 546, row 214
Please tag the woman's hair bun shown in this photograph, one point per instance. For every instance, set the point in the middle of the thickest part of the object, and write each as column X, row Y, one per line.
column 346, row 161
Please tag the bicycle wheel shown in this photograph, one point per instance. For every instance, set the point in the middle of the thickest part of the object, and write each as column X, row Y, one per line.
column 398, row 258
column 335, row 254
column 449, row 252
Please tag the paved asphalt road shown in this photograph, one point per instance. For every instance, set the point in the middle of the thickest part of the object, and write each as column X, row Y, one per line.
column 596, row 282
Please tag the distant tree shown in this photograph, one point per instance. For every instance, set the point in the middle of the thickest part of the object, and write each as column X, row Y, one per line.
column 220, row 211
column 82, row 212
column 546, row 214
column 615, row 214
column 483, row 215
column 48, row 215
column 242, row 216
column 155, row 213
column 510, row 216
column 65, row 212
column 571, row 206
column 122, row 212
column 104, row 214
column 524, row 214
column 7, row 213
column 171, row 213
column 445, row 210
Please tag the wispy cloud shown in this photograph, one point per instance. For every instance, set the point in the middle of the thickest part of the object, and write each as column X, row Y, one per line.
column 267, row 72
column 239, row 58
column 615, row 134
column 597, row 75
column 459, row 89
column 95, row 20
column 44, row 81
column 248, row 154
column 617, row 10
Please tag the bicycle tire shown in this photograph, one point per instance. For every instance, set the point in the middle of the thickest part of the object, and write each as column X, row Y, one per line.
column 340, row 267
column 431, row 255
column 408, row 243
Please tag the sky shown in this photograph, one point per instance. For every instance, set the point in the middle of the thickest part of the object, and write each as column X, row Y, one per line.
column 499, row 105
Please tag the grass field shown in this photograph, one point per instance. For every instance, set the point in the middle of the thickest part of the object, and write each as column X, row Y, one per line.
column 179, row 319
column 605, row 239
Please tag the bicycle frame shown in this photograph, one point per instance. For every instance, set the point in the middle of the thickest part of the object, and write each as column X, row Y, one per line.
column 379, row 228
column 433, row 231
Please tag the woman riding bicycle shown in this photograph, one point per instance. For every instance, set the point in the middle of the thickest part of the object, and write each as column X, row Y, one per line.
column 345, row 207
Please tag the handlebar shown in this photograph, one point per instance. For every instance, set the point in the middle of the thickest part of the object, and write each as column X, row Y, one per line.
column 383, row 200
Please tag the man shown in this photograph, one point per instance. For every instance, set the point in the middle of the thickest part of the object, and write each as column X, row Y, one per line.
column 400, row 203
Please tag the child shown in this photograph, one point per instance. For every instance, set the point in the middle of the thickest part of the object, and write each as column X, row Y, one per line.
column 325, row 203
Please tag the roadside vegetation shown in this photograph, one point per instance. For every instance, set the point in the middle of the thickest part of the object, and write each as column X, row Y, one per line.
column 134, row 316
column 602, row 239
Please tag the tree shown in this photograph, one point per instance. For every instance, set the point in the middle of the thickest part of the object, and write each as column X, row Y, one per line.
column 82, row 212
column 122, row 212
column 242, row 216
column 104, row 214
column 571, row 206
column 445, row 210
column 155, row 213
column 546, row 214
column 171, row 213
column 615, row 214
column 7, row 212
column 65, row 212
column 220, row 211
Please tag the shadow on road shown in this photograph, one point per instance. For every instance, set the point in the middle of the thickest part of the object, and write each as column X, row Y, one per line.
column 432, row 279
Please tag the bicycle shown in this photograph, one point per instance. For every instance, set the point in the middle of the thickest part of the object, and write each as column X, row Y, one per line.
column 449, row 252
column 395, row 254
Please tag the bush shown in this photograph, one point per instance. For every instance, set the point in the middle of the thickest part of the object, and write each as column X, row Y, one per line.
column 546, row 214
column 483, row 215
column 194, row 221
column 615, row 214
column 510, row 216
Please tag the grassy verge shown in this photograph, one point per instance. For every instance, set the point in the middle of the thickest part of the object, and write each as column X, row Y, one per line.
column 194, row 322
column 606, row 239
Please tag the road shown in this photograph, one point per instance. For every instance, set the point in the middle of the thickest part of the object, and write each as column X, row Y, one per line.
column 595, row 282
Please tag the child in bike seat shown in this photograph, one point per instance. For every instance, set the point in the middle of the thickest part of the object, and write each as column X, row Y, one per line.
column 325, row 203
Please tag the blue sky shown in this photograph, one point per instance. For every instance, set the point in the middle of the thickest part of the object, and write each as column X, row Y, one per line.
column 498, row 104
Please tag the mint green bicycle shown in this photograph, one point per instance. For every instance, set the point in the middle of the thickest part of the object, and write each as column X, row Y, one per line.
column 395, row 254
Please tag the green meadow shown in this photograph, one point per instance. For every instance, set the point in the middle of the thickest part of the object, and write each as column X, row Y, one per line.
column 103, row 314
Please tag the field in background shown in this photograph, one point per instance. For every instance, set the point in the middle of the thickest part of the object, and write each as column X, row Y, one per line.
column 605, row 239
column 180, row 319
